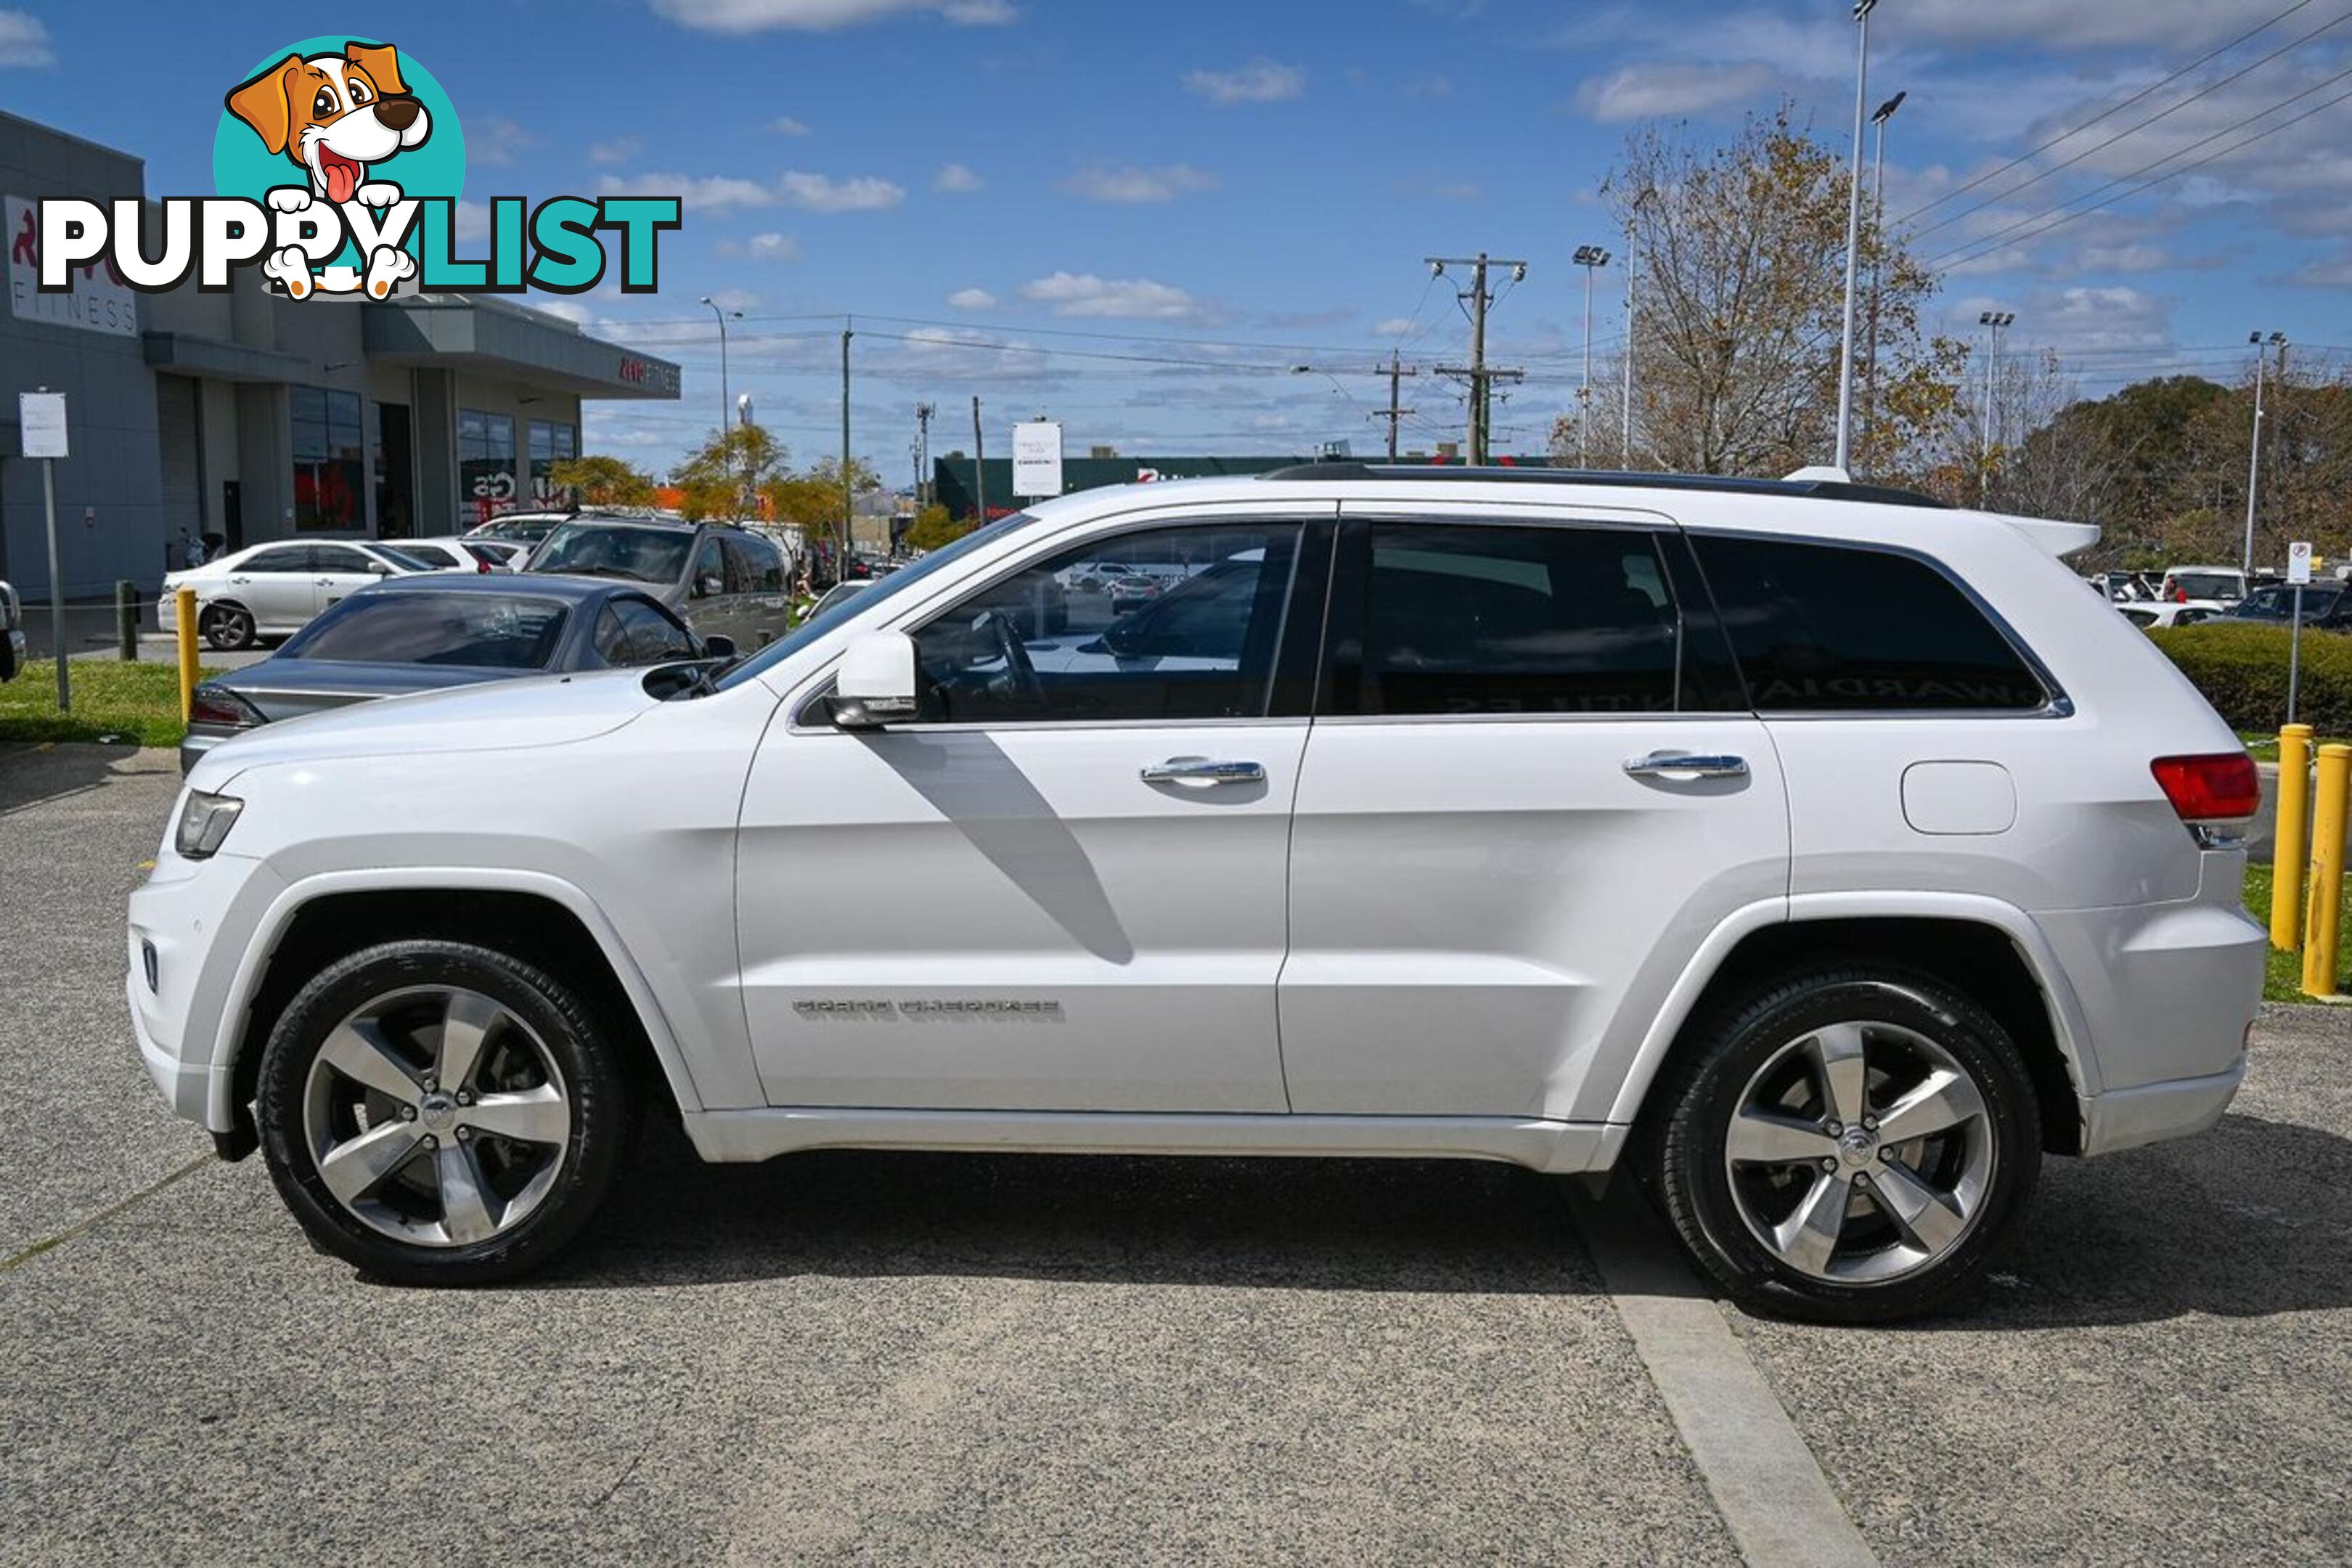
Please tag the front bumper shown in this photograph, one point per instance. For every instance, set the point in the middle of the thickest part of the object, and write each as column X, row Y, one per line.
column 198, row 919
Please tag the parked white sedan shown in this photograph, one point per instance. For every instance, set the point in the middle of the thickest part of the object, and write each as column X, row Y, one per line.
column 273, row 589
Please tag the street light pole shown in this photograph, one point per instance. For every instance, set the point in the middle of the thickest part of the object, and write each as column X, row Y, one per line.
column 1632, row 240
column 1861, row 10
column 1591, row 258
column 1993, row 322
column 1878, row 118
column 726, row 403
column 2254, row 448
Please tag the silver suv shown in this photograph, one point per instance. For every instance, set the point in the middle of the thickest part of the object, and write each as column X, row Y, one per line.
column 722, row 581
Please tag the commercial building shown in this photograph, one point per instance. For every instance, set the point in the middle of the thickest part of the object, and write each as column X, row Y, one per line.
column 254, row 417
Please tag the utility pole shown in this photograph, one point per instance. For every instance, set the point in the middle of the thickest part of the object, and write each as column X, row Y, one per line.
column 848, row 489
column 923, row 412
column 1878, row 118
column 2254, row 451
column 726, row 404
column 979, row 465
column 1993, row 322
column 1480, row 378
column 1625, row 438
column 1862, row 9
column 1395, row 414
column 1593, row 258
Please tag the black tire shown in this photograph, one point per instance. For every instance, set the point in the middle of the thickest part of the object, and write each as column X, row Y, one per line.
column 228, row 628
column 593, row 1080
column 1690, row 1164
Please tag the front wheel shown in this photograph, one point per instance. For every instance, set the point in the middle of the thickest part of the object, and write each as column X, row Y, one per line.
column 227, row 628
column 437, row 1114
column 1850, row 1145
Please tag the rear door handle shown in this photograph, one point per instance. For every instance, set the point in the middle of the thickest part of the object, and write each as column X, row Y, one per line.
column 1678, row 765
column 1202, row 773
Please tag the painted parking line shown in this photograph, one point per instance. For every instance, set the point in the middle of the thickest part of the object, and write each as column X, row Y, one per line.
column 1765, row 1482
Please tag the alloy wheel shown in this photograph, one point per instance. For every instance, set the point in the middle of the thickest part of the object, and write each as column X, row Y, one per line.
column 228, row 628
column 1860, row 1152
column 436, row 1116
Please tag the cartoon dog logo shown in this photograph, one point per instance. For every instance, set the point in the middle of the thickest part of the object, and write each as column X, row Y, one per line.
column 335, row 117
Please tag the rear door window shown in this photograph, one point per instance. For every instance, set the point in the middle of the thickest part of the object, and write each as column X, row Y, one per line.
column 1477, row 618
column 1821, row 627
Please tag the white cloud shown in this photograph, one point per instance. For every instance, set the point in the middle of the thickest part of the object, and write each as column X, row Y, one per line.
column 2082, row 24
column 1260, row 82
column 25, row 40
column 1650, row 90
column 715, row 193
column 473, row 221
column 1437, row 86
column 1133, row 298
column 785, row 125
column 620, row 149
column 1393, row 327
column 1127, row 183
column 973, row 299
column 570, row 310
column 762, row 247
column 2121, row 259
column 495, row 142
column 957, row 178
column 819, row 193
column 825, row 15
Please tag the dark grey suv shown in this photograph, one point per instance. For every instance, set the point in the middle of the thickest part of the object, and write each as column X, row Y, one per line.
column 722, row 581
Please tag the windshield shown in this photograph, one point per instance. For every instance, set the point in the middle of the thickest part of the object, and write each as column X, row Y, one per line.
column 840, row 610
column 641, row 554
column 2208, row 584
column 481, row 631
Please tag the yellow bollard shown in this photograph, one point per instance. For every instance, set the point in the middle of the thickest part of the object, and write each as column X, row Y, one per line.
column 2289, row 856
column 2323, row 928
column 183, row 611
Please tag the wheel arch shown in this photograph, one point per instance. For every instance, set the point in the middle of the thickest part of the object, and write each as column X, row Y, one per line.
column 539, row 919
column 1986, row 948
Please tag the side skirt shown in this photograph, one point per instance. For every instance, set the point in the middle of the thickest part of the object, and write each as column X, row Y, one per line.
column 1558, row 1147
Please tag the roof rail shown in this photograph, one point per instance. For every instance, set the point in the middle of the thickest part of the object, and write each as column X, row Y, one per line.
column 1817, row 489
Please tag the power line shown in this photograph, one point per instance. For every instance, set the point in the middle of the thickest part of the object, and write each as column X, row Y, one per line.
column 1959, row 191
column 1985, row 245
column 2142, row 125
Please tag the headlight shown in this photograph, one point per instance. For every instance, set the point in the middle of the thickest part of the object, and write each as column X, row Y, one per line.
column 204, row 821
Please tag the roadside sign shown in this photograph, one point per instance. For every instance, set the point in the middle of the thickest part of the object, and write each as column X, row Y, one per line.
column 1037, row 458
column 2298, row 562
column 41, row 416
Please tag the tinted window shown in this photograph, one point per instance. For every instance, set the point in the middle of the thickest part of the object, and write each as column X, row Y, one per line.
column 1470, row 619
column 763, row 564
column 1833, row 628
column 338, row 558
column 612, row 638
column 710, row 567
column 653, row 636
column 490, row 631
column 643, row 554
column 1198, row 641
column 285, row 558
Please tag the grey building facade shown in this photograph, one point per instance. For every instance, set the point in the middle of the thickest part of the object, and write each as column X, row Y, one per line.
column 251, row 417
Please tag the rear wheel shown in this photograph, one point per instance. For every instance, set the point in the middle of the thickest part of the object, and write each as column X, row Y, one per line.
column 227, row 626
column 1850, row 1145
column 437, row 1113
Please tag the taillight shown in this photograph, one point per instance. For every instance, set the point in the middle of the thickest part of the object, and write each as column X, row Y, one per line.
column 222, row 708
column 2222, row 788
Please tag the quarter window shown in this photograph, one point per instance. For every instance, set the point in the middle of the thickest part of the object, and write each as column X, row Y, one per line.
column 1829, row 627
column 1472, row 618
column 1188, row 630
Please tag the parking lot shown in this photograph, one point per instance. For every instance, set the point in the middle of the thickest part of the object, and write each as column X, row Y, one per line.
column 956, row 1358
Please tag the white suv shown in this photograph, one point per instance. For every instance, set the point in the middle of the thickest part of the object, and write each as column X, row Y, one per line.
column 1822, row 856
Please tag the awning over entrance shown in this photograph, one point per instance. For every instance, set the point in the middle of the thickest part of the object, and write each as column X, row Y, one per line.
column 184, row 353
column 449, row 330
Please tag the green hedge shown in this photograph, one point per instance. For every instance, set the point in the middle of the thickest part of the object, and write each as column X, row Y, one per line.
column 2241, row 671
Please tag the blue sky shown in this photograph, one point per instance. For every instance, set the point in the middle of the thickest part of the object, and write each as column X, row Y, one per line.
column 1137, row 219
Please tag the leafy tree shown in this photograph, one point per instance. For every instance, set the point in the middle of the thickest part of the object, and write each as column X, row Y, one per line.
column 715, row 480
column 933, row 526
column 597, row 481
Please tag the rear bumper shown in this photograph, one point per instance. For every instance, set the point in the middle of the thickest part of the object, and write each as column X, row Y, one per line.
column 2152, row 1112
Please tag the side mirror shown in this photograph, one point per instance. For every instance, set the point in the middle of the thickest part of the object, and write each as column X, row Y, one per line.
column 718, row 647
column 380, row 568
column 875, row 682
column 709, row 585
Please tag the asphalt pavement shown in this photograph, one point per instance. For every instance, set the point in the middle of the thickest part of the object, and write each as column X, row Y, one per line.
column 947, row 1358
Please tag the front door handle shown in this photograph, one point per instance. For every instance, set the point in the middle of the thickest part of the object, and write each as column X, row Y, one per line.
column 1202, row 773
column 1681, row 765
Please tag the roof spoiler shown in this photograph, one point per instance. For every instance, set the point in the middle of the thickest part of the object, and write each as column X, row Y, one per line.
column 2060, row 539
